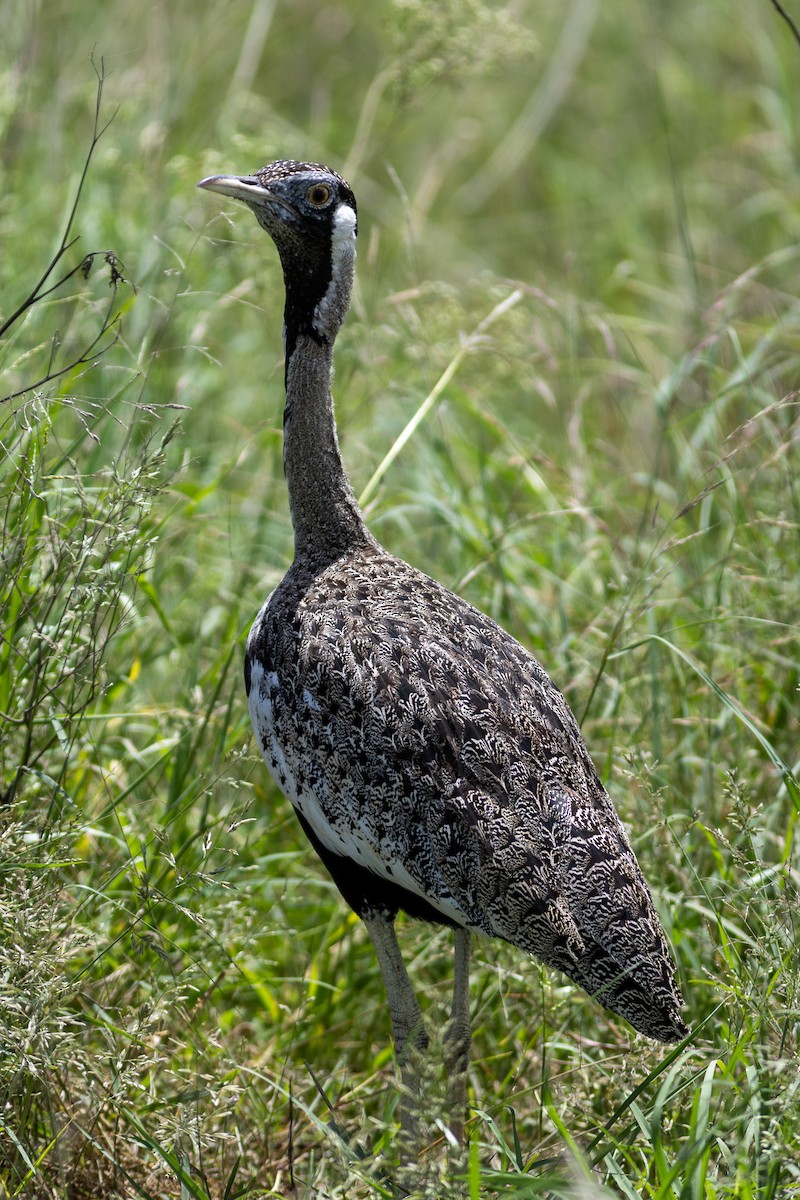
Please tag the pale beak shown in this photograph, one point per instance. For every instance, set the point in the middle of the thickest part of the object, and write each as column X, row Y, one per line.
column 240, row 187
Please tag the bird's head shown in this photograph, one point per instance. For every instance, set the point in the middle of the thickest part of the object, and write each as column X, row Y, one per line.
column 310, row 213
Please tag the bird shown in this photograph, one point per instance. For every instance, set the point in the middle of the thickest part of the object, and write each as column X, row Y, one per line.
column 432, row 763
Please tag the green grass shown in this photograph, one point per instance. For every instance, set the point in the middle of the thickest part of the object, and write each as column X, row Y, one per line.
column 610, row 469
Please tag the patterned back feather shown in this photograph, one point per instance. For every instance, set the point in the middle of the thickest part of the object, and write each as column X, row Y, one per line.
column 421, row 742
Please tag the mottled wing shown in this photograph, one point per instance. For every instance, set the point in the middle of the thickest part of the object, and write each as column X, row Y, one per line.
column 435, row 752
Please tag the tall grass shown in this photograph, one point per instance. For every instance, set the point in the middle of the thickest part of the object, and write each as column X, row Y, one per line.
column 584, row 222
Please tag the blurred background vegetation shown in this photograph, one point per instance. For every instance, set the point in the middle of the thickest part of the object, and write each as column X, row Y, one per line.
column 186, row 1007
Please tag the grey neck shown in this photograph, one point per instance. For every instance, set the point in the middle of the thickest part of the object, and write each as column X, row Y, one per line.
column 325, row 514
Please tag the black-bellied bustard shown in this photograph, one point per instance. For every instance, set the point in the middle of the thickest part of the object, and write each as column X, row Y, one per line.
column 432, row 763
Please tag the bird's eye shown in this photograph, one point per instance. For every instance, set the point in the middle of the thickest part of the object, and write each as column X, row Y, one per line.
column 319, row 194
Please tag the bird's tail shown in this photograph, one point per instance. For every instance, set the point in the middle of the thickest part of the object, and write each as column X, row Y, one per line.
column 645, row 997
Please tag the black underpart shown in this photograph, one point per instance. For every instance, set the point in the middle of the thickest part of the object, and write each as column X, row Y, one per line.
column 367, row 893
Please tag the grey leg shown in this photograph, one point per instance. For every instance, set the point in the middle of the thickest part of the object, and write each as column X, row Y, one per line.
column 405, row 1011
column 407, row 1025
column 458, row 1037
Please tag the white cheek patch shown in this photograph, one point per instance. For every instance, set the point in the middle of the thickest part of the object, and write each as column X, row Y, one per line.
column 329, row 313
column 344, row 229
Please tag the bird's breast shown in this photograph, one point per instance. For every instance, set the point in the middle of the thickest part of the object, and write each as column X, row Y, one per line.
column 355, row 805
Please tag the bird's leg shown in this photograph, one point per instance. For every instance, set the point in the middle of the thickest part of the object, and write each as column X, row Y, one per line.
column 458, row 1037
column 407, row 1025
column 407, row 1022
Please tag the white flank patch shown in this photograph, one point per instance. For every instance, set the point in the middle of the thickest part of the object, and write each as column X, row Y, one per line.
column 348, row 841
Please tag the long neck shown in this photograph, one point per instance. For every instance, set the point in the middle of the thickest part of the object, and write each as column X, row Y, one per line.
column 325, row 514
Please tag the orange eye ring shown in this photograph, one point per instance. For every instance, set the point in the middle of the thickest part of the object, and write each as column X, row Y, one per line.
column 318, row 194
